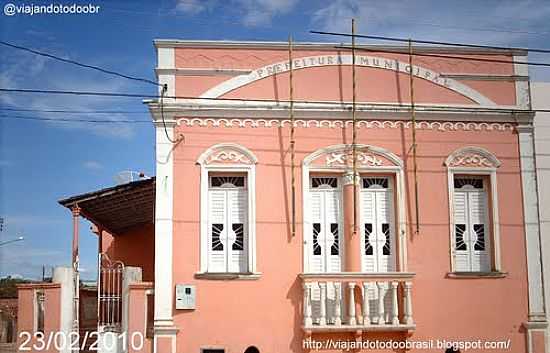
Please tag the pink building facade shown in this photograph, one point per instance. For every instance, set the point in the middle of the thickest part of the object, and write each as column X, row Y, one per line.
column 465, row 268
column 266, row 229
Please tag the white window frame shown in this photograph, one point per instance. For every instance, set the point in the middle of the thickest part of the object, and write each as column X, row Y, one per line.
column 394, row 171
column 236, row 159
column 487, row 167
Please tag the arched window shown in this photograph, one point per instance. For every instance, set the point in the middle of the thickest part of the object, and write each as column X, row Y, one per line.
column 380, row 178
column 227, row 209
column 473, row 210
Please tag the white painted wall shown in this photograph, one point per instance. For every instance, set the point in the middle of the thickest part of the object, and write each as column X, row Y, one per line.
column 65, row 277
column 541, row 100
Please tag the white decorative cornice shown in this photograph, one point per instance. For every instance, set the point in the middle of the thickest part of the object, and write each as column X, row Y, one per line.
column 365, row 124
column 227, row 153
column 472, row 156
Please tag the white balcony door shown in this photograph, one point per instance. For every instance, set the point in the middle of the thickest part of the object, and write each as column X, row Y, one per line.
column 471, row 252
column 227, row 224
column 325, row 241
column 377, row 225
column 377, row 236
column 325, row 245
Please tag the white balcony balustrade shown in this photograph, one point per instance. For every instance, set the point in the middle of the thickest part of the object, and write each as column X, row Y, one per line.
column 357, row 301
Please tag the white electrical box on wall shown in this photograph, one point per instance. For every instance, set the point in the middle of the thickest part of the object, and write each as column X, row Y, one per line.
column 185, row 297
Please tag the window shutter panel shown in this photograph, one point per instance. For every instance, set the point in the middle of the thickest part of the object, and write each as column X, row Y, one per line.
column 462, row 247
column 479, row 240
column 333, row 230
column 238, row 230
column 217, row 231
column 368, row 231
column 384, row 227
column 316, row 249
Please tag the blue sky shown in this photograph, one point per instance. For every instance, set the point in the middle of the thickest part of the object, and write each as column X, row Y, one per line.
column 41, row 162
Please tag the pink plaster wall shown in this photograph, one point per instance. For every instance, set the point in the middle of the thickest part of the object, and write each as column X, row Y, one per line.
column 137, row 318
column 135, row 247
column 271, row 317
column 52, row 309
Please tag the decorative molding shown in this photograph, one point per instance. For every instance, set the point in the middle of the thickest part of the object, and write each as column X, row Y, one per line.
column 472, row 157
column 367, row 124
column 341, row 156
column 345, row 158
column 338, row 60
column 227, row 153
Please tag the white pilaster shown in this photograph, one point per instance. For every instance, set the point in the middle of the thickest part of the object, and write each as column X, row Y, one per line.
column 541, row 100
column 164, row 226
column 531, row 220
column 523, row 99
column 166, row 64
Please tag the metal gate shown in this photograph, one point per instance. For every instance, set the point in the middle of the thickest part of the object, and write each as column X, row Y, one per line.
column 109, row 293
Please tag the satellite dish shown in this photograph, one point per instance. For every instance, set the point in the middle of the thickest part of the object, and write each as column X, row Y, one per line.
column 127, row 176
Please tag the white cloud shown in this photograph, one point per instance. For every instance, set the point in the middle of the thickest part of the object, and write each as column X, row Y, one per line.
column 504, row 23
column 92, row 165
column 255, row 12
column 191, row 7
column 26, row 261
column 28, row 220
column 261, row 12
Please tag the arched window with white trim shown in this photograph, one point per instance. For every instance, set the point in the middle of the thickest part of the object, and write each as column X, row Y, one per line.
column 473, row 210
column 227, row 209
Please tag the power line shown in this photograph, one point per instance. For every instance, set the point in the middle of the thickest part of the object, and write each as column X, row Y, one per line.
column 421, row 41
column 100, row 121
column 529, row 63
column 73, row 62
column 388, row 106
column 64, row 111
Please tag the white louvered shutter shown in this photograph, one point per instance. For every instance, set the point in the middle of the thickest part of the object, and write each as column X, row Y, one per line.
column 368, row 231
column 326, row 227
column 237, row 230
column 385, row 229
column 479, row 241
column 471, row 241
column 217, row 231
column 227, row 224
column 316, row 249
column 377, row 225
column 333, row 230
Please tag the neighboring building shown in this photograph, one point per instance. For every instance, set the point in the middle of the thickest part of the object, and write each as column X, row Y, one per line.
column 8, row 324
column 541, row 100
column 220, row 270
